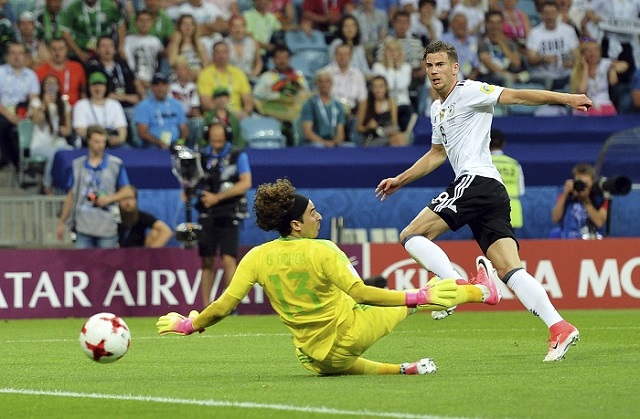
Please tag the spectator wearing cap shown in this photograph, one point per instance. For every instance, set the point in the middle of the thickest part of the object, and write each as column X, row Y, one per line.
column 222, row 74
column 83, row 22
column 121, row 83
column 159, row 118
column 98, row 109
column 36, row 50
column 47, row 18
column 69, row 73
column 221, row 112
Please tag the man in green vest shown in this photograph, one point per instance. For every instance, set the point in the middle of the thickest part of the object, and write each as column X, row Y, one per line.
column 511, row 173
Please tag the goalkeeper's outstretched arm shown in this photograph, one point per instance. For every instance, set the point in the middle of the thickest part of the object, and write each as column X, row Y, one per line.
column 216, row 311
column 175, row 323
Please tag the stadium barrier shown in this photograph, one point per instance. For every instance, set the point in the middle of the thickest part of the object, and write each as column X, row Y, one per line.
column 58, row 283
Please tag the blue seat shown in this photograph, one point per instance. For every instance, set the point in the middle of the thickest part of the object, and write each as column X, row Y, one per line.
column 298, row 41
column 262, row 132
column 309, row 62
column 528, row 7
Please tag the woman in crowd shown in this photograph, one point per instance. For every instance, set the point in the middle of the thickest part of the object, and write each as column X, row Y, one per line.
column 397, row 72
column 244, row 51
column 594, row 75
column 349, row 33
column 516, row 24
column 378, row 117
column 185, row 42
column 51, row 116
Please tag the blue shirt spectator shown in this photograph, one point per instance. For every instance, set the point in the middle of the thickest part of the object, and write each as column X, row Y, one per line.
column 160, row 119
column 323, row 117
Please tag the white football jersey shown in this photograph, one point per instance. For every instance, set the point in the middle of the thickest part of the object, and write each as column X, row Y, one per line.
column 462, row 124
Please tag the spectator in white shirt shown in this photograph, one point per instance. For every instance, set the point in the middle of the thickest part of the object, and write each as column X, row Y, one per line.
column 551, row 48
column 98, row 109
column 349, row 84
column 143, row 50
column 210, row 17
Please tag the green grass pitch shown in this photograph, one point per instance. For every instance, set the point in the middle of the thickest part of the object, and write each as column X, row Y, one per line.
column 489, row 366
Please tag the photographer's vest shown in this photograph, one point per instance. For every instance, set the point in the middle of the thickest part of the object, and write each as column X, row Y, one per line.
column 510, row 172
column 220, row 173
column 89, row 183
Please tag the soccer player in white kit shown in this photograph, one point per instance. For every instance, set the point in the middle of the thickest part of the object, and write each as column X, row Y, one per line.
column 461, row 123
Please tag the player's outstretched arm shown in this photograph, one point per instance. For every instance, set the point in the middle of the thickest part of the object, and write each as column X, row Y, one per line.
column 196, row 322
column 534, row 97
column 430, row 161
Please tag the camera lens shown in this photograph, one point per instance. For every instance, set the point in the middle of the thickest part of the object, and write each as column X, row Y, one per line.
column 579, row 185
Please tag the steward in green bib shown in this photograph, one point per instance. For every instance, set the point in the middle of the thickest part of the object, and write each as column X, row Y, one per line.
column 511, row 173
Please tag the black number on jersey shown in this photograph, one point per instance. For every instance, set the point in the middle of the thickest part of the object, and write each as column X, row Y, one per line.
column 444, row 136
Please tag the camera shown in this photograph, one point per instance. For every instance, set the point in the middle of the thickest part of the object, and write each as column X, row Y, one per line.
column 579, row 185
column 186, row 165
column 188, row 170
column 189, row 234
column 614, row 185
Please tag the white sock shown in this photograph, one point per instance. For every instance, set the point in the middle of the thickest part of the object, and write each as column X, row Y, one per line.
column 431, row 257
column 533, row 296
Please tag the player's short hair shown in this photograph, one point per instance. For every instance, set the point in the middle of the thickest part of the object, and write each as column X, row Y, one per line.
column 272, row 205
column 439, row 46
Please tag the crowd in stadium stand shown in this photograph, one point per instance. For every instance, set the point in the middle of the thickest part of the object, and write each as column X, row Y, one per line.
column 153, row 71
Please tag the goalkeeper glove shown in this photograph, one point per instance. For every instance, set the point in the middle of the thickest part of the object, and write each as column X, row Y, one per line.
column 177, row 323
column 441, row 293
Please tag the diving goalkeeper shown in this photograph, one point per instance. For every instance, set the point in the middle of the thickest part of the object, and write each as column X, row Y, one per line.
column 333, row 316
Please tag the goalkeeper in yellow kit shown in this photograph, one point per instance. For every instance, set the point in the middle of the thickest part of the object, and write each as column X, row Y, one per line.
column 333, row 316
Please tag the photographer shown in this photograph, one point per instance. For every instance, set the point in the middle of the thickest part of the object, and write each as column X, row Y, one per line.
column 221, row 203
column 581, row 208
column 96, row 185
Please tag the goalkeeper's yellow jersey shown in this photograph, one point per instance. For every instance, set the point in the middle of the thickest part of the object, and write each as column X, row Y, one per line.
column 307, row 281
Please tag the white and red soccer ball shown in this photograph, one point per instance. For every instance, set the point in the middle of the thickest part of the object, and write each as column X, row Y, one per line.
column 105, row 338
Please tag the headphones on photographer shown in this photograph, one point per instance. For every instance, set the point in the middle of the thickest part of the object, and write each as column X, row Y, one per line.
column 228, row 132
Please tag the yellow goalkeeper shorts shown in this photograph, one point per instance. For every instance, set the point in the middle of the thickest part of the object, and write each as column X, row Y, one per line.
column 364, row 327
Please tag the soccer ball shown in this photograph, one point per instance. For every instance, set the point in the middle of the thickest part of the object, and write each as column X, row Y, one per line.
column 105, row 338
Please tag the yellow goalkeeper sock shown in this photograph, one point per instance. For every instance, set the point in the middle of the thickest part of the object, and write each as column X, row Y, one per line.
column 364, row 366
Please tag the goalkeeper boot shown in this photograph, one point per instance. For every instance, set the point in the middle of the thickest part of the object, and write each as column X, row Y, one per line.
column 563, row 336
column 424, row 366
column 485, row 279
column 442, row 314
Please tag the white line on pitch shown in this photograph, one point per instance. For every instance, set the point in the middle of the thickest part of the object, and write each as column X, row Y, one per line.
column 218, row 403
column 213, row 335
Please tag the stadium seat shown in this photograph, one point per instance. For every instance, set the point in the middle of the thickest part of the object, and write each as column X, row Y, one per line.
column 26, row 163
column 528, row 7
column 309, row 62
column 262, row 132
column 298, row 41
